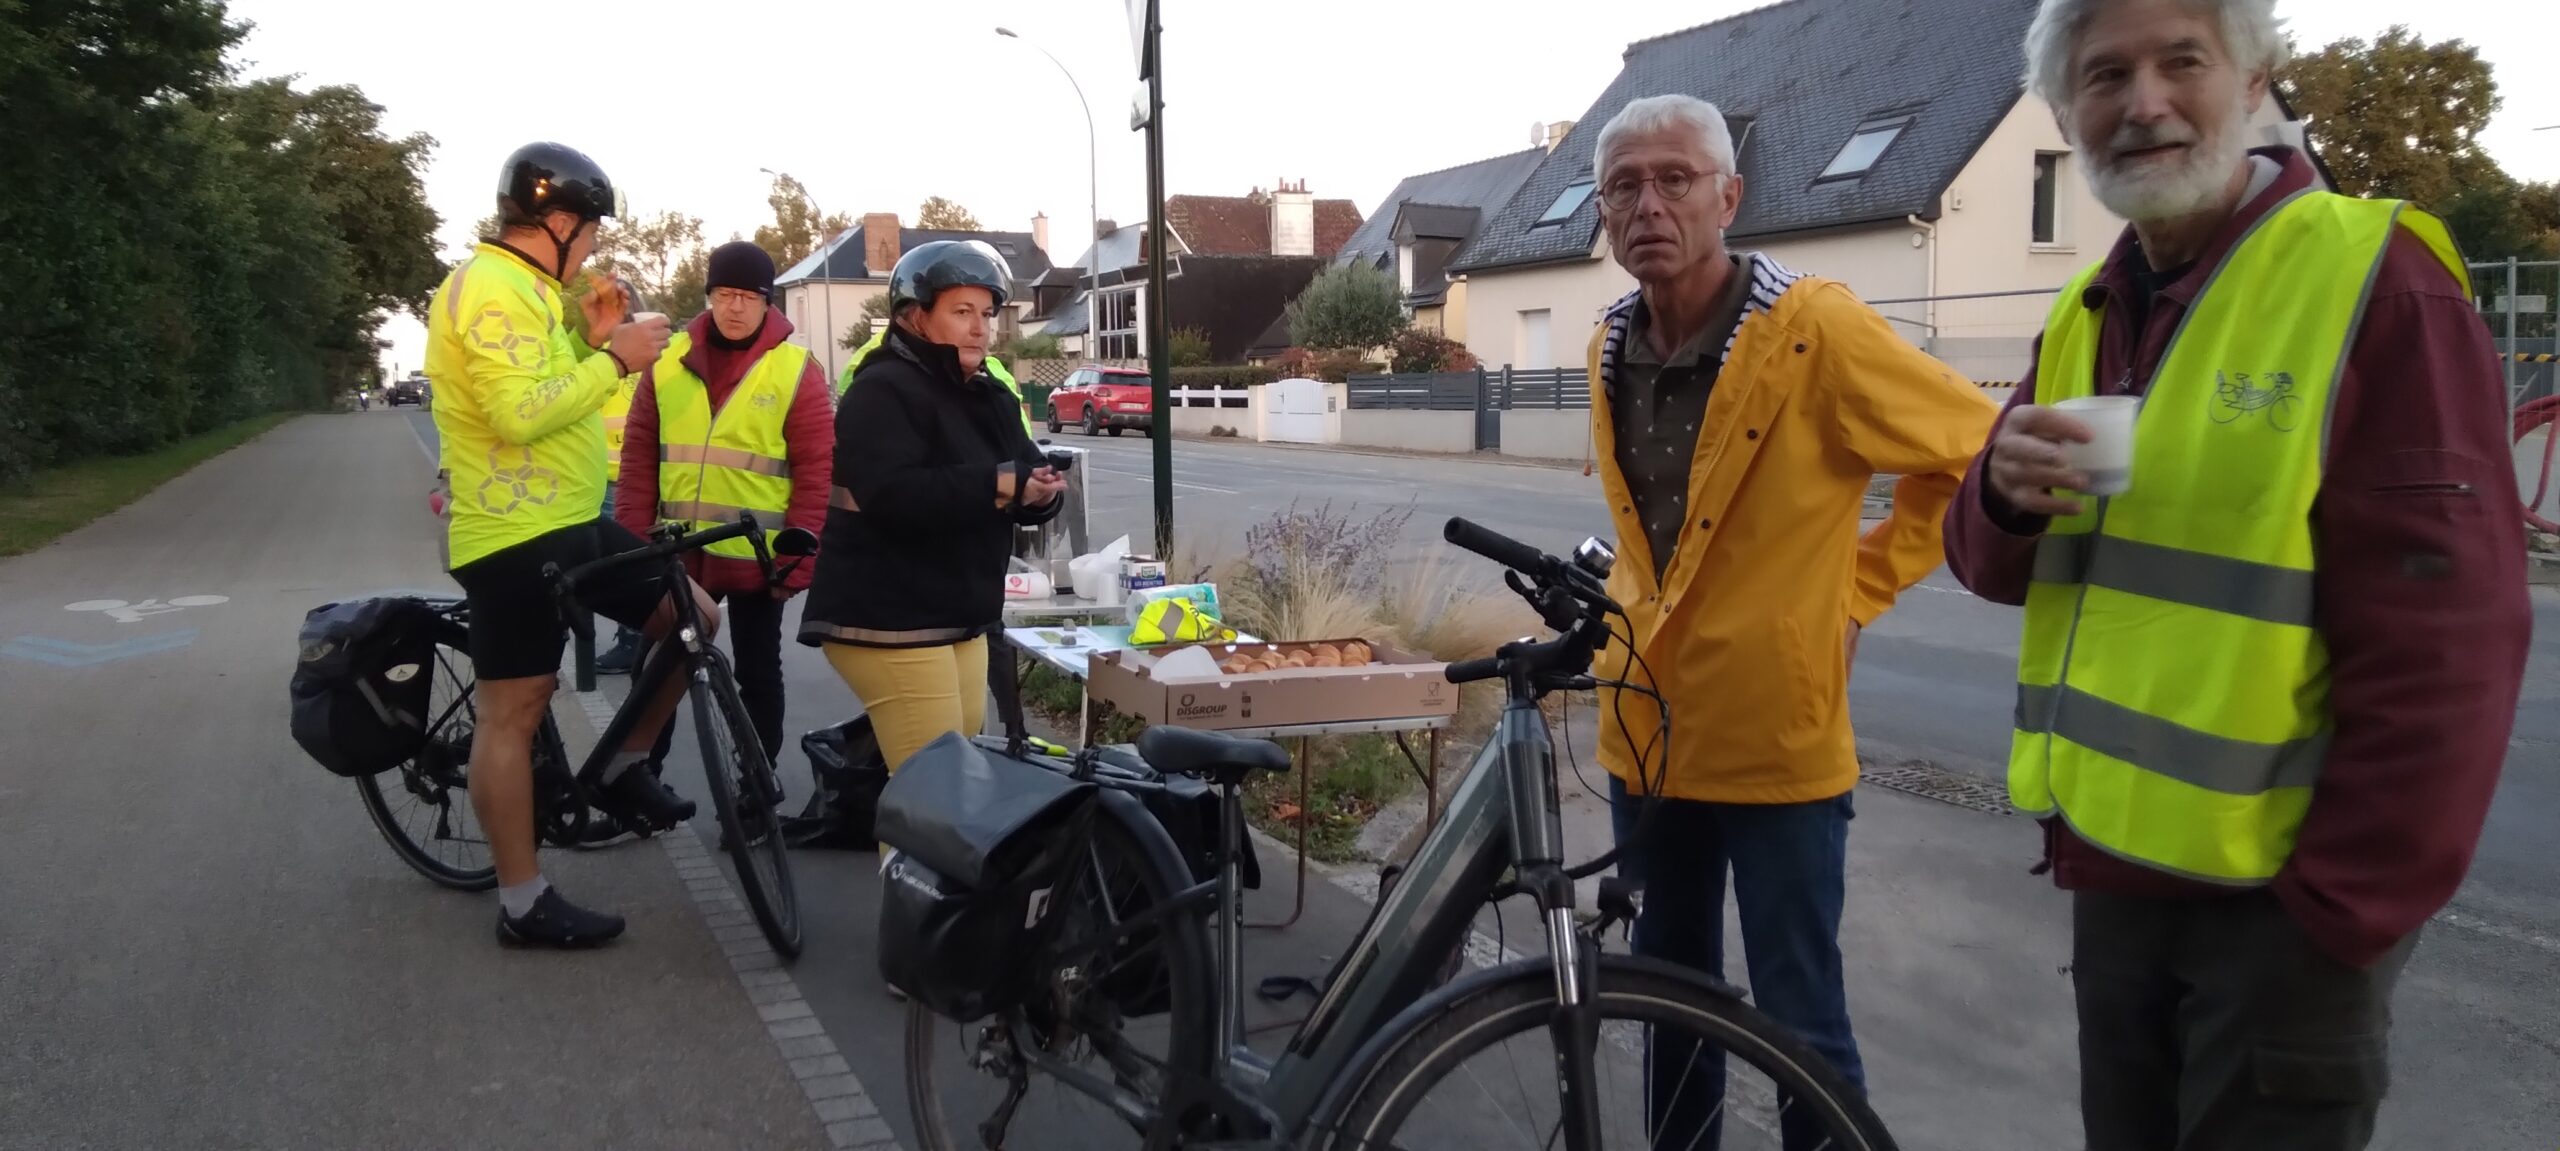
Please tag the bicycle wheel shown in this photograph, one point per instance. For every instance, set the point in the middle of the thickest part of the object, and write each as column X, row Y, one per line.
column 743, row 792
column 1113, row 1018
column 423, row 807
column 1490, row 1040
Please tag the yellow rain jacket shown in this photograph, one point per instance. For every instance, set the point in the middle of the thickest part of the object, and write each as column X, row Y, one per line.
column 1745, row 634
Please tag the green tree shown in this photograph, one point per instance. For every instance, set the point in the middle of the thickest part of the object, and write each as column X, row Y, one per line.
column 797, row 228
column 875, row 311
column 945, row 215
column 2398, row 117
column 1189, row 348
column 1354, row 306
column 649, row 251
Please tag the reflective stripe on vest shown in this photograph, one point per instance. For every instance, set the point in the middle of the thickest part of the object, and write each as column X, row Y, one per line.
column 617, row 416
column 2173, row 700
column 713, row 466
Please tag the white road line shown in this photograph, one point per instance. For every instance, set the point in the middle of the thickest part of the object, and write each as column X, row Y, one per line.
column 1150, row 478
column 2469, row 922
column 847, row 1110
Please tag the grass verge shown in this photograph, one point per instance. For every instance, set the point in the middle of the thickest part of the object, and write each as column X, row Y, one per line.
column 58, row 500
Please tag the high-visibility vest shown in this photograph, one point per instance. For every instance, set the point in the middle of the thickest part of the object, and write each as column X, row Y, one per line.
column 617, row 414
column 994, row 366
column 712, row 466
column 2173, row 691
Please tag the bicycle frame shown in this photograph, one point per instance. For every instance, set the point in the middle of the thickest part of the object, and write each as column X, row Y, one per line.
column 679, row 651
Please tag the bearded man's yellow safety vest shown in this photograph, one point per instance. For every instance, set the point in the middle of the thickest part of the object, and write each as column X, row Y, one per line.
column 617, row 414
column 2173, row 691
column 995, row 367
column 714, row 465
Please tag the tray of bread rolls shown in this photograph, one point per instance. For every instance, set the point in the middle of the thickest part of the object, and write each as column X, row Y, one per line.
column 1269, row 684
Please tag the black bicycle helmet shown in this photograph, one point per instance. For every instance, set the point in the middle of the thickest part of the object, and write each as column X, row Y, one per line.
column 545, row 177
column 931, row 269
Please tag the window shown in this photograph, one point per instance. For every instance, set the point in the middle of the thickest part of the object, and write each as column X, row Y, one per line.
column 1865, row 147
column 1567, row 203
column 1115, row 326
column 2047, row 217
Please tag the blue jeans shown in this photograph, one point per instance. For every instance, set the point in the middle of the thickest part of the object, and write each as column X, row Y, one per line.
column 1789, row 863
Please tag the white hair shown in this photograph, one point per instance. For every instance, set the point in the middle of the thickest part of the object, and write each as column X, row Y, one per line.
column 2249, row 36
column 1661, row 114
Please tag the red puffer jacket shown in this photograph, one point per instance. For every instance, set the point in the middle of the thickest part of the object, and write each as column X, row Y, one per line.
column 810, row 429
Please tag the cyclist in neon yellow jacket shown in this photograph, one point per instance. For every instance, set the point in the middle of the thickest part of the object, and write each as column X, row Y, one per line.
column 521, row 392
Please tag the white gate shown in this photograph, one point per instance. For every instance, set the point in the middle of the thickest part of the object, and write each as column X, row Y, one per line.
column 1294, row 411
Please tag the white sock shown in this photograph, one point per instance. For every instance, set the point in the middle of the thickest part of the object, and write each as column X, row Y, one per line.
column 517, row 898
column 622, row 762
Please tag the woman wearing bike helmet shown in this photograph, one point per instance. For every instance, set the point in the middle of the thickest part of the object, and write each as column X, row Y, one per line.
column 933, row 470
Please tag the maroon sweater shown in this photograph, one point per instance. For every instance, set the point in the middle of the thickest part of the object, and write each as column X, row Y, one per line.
column 810, row 429
column 2419, row 591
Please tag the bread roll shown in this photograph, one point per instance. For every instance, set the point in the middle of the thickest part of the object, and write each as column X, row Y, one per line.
column 1236, row 665
column 1325, row 649
column 1355, row 654
column 1298, row 659
column 1327, row 656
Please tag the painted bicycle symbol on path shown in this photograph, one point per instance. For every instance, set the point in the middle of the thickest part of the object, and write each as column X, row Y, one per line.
column 137, row 611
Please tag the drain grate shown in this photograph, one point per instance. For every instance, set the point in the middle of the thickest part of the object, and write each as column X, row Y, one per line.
column 1930, row 781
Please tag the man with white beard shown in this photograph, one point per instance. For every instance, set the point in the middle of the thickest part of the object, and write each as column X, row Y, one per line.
column 2267, row 678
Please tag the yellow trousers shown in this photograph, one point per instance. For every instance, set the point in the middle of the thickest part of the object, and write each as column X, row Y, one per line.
column 914, row 695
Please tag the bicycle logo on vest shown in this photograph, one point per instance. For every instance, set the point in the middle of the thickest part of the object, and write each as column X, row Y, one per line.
column 2235, row 400
column 523, row 484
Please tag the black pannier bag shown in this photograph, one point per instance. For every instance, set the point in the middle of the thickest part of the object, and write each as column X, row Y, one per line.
column 977, row 836
column 360, row 687
column 846, row 762
column 1189, row 808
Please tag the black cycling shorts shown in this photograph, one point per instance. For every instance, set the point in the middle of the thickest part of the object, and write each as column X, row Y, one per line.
column 516, row 629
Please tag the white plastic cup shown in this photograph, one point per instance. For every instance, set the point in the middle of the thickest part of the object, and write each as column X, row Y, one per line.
column 645, row 317
column 2107, row 459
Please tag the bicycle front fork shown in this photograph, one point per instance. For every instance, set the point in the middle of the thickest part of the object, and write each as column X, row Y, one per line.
column 1537, row 852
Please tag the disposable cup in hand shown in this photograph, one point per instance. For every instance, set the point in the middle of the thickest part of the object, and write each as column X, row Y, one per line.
column 2107, row 459
column 645, row 317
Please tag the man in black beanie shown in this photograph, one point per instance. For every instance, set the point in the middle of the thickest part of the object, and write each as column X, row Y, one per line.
column 733, row 418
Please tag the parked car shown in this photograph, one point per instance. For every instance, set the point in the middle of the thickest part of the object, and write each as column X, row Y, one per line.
column 412, row 390
column 1101, row 399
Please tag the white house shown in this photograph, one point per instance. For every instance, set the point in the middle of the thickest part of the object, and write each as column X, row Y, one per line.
column 1887, row 145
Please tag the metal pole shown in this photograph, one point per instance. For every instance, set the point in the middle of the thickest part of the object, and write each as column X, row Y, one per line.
column 1159, row 357
column 2510, row 357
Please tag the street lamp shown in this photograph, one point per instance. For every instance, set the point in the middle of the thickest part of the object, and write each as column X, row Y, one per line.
column 827, row 345
column 1093, row 206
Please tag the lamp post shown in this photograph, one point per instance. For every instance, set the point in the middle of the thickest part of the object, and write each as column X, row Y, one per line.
column 1093, row 197
column 827, row 346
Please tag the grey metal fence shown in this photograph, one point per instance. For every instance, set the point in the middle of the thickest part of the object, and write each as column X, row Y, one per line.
column 1431, row 392
column 2520, row 301
column 1498, row 389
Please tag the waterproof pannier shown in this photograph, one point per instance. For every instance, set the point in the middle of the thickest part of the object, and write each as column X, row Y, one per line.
column 978, row 838
column 846, row 762
column 360, row 687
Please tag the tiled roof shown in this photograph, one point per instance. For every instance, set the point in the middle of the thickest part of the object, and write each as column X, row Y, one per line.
column 1241, row 225
column 1485, row 184
column 1805, row 74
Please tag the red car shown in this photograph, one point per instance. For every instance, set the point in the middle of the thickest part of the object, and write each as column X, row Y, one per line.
column 1100, row 399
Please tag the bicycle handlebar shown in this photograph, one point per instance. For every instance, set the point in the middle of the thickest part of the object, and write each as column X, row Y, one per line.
column 1498, row 547
column 582, row 631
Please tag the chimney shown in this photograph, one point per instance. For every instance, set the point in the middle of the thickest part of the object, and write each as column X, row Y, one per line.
column 880, row 247
column 1040, row 232
column 1556, row 133
column 1105, row 227
column 1293, row 220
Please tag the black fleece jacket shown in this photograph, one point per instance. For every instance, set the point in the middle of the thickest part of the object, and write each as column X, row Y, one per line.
column 915, row 549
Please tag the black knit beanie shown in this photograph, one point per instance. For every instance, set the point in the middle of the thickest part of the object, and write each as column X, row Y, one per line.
column 741, row 265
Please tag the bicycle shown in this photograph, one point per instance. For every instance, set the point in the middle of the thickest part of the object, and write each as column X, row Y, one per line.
column 1122, row 957
column 745, row 794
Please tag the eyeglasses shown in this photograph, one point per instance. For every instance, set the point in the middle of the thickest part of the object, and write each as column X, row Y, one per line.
column 1620, row 194
column 734, row 296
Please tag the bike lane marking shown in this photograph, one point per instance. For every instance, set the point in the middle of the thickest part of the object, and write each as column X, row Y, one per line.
column 848, row 1110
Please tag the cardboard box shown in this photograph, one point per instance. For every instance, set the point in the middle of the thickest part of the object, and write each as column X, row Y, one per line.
column 1393, row 685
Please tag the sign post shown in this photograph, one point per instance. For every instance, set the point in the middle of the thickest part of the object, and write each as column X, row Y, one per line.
column 1146, row 35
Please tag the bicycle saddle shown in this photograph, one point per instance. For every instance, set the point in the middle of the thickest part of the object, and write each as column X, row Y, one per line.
column 1215, row 756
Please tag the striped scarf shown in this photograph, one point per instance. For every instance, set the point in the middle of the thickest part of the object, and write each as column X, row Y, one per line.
column 1769, row 280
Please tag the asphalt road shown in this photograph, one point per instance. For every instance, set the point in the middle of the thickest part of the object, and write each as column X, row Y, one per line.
column 208, row 945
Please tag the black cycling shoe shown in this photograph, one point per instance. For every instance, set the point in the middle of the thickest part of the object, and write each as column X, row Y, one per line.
column 623, row 656
column 555, row 922
column 641, row 803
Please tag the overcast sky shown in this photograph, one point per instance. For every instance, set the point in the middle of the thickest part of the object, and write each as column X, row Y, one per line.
column 877, row 106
